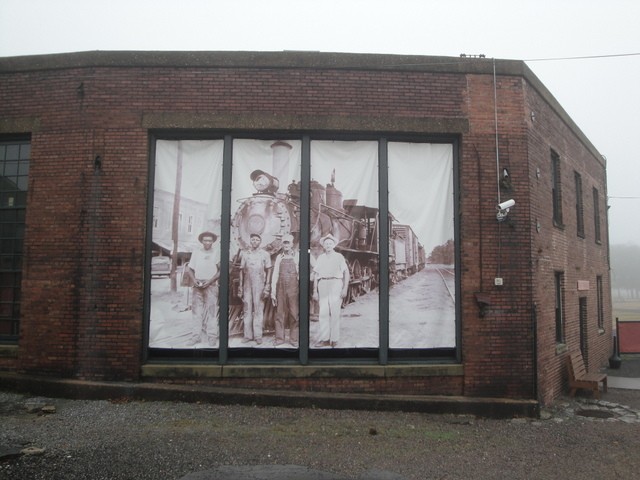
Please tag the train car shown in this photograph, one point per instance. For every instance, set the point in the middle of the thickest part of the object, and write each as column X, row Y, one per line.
column 407, row 249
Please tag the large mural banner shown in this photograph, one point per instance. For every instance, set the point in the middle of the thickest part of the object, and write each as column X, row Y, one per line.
column 422, row 273
column 264, row 255
column 344, row 245
column 185, row 260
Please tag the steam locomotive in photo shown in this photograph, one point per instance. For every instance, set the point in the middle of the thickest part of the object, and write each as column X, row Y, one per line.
column 273, row 214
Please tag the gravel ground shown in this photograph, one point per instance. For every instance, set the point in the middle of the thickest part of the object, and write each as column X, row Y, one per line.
column 163, row 440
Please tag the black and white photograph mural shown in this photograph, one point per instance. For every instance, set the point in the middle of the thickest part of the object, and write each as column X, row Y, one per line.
column 185, row 261
column 264, row 238
column 264, row 256
column 421, row 246
column 344, row 244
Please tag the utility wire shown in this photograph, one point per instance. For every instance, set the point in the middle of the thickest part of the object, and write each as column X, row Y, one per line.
column 581, row 58
column 465, row 58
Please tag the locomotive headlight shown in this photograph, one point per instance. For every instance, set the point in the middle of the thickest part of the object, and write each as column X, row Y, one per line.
column 263, row 182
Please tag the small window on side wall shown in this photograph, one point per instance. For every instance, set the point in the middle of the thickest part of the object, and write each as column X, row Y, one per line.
column 556, row 189
column 579, row 206
column 596, row 215
column 559, row 304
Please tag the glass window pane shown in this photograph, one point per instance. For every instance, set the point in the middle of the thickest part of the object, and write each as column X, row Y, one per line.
column 7, row 215
column 12, row 230
column 6, row 309
column 6, row 294
column 20, row 199
column 264, row 287
column 183, row 313
column 344, row 204
column 7, row 246
column 13, row 152
column 25, row 151
column 6, row 262
column 421, row 245
column 22, row 183
column 7, row 230
column 10, row 169
column 23, row 167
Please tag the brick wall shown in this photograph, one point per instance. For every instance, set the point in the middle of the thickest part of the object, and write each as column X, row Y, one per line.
column 560, row 249
column 85, row 237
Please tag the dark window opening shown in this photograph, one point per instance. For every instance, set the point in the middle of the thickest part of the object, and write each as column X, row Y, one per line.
column 579, row 206
column 556, row 189
column 596, row 215
column 14, row 171
column 600, row 302
column 584, row 326
column 559, row 304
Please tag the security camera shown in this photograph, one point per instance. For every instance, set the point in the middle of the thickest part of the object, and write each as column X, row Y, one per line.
column 506, row 205
column 503, row 210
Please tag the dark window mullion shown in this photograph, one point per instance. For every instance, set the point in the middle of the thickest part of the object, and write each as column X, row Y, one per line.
column 383, row 251
column 225, row 232
column 304, row 243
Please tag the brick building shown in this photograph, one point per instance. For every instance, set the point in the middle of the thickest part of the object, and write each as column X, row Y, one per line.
column 82, row 139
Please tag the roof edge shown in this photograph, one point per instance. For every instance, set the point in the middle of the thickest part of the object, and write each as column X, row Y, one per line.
column 292, row 59
column 242, row 59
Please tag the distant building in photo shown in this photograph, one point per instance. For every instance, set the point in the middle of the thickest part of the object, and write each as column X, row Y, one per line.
column 326, row 222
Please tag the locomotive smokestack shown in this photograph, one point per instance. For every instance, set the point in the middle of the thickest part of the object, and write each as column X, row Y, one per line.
column 281, row 161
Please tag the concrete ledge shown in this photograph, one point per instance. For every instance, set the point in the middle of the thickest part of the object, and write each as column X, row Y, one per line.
column 258, row 121
column 78, row 389
column 19, row 125
column 8, row 351
column 153, row 370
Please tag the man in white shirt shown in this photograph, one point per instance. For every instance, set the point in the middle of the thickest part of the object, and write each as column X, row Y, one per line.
column 204, row 271
column 330, row 286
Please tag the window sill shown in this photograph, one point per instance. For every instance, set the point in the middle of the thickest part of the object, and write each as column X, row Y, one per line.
column 561, row 348
column 601, row 331
column 300, row 371
column 8, row 351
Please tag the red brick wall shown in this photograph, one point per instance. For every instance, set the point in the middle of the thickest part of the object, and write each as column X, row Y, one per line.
column 85, row 238
column 561, row 249
column 497, row 347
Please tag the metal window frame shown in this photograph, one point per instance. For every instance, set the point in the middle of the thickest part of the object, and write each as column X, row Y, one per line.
column 15, row 256
column 382, row 354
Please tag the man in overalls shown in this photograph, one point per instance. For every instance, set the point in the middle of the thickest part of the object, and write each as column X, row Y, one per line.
column 255, row 284
column 284, row 292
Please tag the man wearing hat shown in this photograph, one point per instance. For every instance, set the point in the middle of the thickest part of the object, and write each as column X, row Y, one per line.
column 204, row 271
column 330, row 286
column 284, row 292
column 255, row 285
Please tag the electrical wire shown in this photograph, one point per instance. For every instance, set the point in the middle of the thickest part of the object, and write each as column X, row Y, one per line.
column 467, row 58
column 586, row 57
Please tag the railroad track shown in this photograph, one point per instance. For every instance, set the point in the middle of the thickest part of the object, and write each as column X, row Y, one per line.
column 448, row 275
